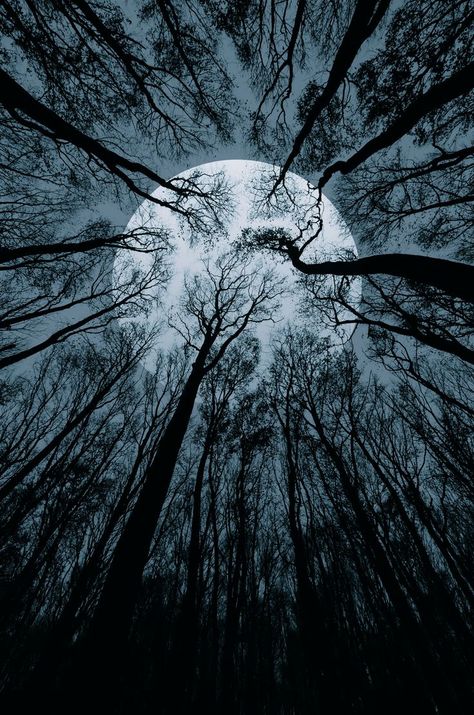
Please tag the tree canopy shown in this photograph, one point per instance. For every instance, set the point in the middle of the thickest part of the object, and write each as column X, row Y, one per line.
column 223, row 521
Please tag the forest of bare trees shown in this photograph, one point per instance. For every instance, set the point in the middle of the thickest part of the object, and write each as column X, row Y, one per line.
column 227, row 522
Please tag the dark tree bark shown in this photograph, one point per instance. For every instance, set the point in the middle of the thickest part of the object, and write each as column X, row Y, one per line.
column 452, row 277
column 365, row 19
column 459, row 84
column 30, row 112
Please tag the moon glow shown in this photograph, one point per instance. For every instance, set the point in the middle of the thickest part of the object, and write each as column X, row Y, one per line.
column 247, row 184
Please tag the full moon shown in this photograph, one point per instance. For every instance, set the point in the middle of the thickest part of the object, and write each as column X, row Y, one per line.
column 244, row 188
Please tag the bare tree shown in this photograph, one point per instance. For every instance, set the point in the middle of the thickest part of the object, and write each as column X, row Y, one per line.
column 221, row 305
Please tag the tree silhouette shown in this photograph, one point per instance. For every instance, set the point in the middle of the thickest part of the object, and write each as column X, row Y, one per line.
column 195, row 516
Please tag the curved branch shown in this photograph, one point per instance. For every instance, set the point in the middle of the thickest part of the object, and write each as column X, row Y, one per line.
column 7, row 255
column 16, row 99
column 452, row 277
column 460, row 83
column 365, row 19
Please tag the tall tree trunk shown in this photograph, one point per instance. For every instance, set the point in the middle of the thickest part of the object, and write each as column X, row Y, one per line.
column 440, row 690
column 187, row 627
column 101, row 656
